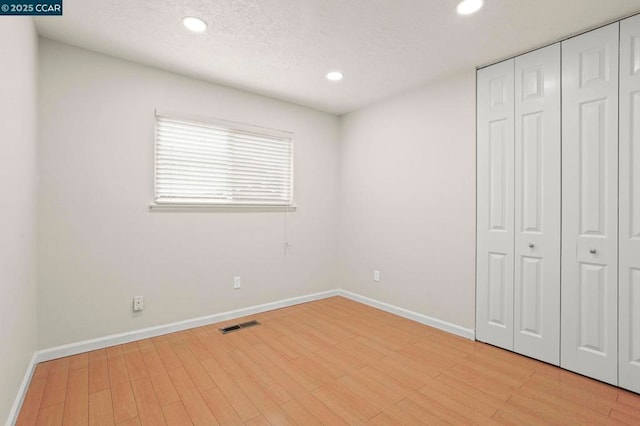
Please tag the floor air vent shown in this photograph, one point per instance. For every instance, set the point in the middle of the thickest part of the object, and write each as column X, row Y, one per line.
column 237, row 327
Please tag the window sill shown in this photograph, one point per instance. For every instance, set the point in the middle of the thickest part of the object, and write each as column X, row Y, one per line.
column 221, row 208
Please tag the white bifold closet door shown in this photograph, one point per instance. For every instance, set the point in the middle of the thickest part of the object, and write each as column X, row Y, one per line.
column 629, row 278
column 537, row 205
column 495, row 214
column 589, row 300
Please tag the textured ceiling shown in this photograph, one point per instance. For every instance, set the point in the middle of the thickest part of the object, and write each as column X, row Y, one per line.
column 283, row 48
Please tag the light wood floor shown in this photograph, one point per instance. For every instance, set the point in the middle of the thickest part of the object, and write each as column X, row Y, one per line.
column 332, row 361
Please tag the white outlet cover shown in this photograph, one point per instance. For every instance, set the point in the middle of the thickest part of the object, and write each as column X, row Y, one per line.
column 138, row 303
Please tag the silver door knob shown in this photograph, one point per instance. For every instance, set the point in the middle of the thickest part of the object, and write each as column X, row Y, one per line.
column 531, row 245
column 593, row 251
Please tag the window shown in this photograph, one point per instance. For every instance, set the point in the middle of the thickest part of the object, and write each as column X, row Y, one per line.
column 202, row 162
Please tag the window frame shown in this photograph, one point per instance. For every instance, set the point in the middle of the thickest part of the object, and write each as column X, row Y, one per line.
column 232, row 126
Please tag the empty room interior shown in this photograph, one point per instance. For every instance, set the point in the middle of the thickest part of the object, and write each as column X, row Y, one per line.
column 319, row 212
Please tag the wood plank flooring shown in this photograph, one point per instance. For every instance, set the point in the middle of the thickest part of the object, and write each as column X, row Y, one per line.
column 331, row 362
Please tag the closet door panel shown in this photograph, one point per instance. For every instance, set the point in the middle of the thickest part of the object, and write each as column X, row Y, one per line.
column 629, row 245
column 537, row 204
column 589, row 300
column 495, row 215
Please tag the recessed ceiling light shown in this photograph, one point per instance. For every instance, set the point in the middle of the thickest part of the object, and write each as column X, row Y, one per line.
column 467, row 7
column 196, row 25
column 334, row 76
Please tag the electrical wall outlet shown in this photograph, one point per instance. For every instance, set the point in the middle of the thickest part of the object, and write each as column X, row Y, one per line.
column 138, row 303
column 376, row 276
column 236, row 282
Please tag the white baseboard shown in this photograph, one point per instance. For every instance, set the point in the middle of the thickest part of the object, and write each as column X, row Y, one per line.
column 414, row 316
column 145, row 333
column 22, row 392
column 130, row 336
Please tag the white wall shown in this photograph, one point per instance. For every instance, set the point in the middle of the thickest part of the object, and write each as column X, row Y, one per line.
column 407, row 200
column 18, row 182
column 98, row 243
column 407, row 203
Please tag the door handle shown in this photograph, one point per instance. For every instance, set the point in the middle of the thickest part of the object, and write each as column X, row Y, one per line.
column 593, row 251
column 531, row 245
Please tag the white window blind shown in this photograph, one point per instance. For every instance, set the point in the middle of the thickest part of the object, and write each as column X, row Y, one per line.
column 221, row 163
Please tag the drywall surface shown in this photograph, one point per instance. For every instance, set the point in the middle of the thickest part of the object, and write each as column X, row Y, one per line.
column 407, row 200
column 18, row 175
column 99, row 245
